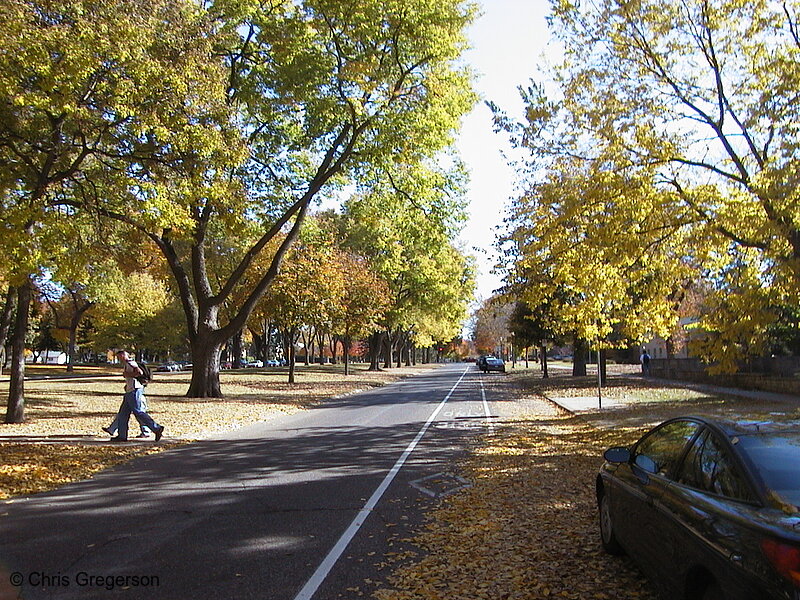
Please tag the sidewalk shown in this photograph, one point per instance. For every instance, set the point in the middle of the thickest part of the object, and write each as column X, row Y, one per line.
column 5, row 377
column 584, row 404
column 88, row 440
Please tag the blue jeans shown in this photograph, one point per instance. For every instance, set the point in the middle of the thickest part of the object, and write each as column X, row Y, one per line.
column 115, row 423
column 133, row 402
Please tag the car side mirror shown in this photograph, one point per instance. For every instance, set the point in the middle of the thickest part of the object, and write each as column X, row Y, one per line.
column 617, row 455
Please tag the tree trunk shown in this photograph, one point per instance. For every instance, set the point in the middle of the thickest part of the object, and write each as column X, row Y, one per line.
column 602, row 366
column 15, row 412
column 335, row 339
column 346, row 352
column 375, row 347
column 292, row 357
column 400, row 348
column 321, row 346
column 308, row 346
column 205, row 369
column 269, row 350
column 74, row 324
column 238, row 345
column 5, row 323
column 236, row 349
column 579, row 349
column 543, row 352
column 406, row 350
column 71, row 345
column 388, row 356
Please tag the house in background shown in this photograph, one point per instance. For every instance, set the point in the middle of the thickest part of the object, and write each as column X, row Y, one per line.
column 675, row 347
column 47, row 357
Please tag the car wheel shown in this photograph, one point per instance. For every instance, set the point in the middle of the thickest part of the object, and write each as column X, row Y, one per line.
column 713, row 592
column 607, row 537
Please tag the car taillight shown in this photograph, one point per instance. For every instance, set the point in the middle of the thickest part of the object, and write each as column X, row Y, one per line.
column 785, row 558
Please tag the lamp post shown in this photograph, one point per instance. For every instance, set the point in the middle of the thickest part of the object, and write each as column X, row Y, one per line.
column 599, row 380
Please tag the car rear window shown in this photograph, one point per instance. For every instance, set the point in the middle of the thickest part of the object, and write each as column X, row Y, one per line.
column 776, row 456
column 709, row 467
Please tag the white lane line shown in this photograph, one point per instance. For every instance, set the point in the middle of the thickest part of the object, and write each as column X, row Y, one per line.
column 312, row 585
column 486, row 411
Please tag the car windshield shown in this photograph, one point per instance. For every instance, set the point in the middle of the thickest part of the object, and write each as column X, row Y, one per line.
column 777, row 458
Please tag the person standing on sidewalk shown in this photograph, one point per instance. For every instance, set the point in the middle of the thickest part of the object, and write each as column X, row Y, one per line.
column 133, row 401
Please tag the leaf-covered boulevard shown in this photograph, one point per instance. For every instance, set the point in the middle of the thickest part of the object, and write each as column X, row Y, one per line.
column 162, row 159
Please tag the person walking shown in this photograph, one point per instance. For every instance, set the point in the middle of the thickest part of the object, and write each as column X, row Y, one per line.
column 645, row 360
column 133, row 401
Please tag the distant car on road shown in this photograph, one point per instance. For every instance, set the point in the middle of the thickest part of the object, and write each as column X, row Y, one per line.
column 272, row 363
column 254, row 364
column 492, row 363
column 168, row 367
column 708, row 508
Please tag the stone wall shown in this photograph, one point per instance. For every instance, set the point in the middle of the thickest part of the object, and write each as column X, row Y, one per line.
column 779, row 374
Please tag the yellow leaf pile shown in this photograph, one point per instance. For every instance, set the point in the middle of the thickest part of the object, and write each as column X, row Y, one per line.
column 30, row 468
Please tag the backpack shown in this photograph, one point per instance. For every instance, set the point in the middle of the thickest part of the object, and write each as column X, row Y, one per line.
column 146, row 376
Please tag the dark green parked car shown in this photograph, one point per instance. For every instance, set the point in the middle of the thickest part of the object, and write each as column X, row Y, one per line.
column 708, row 508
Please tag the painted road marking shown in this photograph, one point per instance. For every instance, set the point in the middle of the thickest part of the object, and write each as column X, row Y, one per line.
column 486, row 407
column 312, row 585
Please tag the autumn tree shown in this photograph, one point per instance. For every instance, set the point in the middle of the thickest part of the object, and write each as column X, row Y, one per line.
column 92, row 97
column 135, row 311
column 363, row 303
column 319, row 90
column 82, row 255
column 693, row 103
column 405, row 226
column 490, row 325
column 532, row 327
column 67, row 306
column 607, row 253
column 305, row 292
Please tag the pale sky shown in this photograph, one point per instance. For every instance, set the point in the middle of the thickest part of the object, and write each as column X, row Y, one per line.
column 509, row 41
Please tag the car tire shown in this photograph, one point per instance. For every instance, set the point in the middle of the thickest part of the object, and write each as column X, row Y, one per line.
column 713, row 592
column 607, row 535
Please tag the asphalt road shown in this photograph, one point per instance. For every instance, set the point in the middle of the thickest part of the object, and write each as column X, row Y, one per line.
column 310, row 505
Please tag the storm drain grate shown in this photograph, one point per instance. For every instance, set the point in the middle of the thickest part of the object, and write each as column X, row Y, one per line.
column 440, row 484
